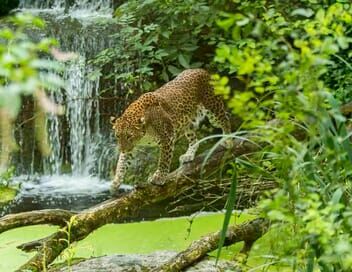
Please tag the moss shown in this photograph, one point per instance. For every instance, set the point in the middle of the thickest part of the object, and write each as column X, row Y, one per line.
column 7, row 194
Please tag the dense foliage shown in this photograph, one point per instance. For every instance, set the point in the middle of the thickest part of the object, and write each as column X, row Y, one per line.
column 156, row 40
column 293, row 60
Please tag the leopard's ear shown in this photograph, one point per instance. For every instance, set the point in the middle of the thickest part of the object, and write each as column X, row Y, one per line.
column 113, row 120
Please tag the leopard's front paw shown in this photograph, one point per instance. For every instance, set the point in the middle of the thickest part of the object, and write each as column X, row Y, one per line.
column 158, row 178
column 114, row 189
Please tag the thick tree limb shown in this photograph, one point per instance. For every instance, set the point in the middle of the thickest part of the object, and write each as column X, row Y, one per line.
column 53, row 217
column 118, row 210
column 248, row 232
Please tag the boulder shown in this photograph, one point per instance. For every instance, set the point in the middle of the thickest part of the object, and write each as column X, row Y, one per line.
column 145, row 262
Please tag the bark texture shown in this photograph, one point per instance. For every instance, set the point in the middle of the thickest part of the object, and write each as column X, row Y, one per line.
column 52, row 217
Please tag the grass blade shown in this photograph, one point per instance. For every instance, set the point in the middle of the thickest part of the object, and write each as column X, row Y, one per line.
column 230, row 203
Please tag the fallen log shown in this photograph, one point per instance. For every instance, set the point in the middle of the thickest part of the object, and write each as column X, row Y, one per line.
column 117, row 210
column 53, row 217
column 193, row 200
column 248, row 232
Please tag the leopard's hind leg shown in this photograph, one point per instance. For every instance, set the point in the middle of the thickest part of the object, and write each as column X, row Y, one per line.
column 216, row 113
column 192, row 146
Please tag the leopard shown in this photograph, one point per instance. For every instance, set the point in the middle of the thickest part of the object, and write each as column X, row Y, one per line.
column 172, row 111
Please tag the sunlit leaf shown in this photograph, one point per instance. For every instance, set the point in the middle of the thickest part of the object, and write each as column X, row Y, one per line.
column 303, row 12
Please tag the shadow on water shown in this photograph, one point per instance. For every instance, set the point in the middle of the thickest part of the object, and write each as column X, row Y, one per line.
column 67, row 192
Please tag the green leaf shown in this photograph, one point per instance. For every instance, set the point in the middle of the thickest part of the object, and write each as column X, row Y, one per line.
column 166, row 34
column 190, row 48
column 336, row 197
column 236, row 33
column 197, row 64
column 173, row 70
column 164, row 75
column 303, row 12
column 184, row 60
column 320, row 15
column 226, row 23
column 310, row 261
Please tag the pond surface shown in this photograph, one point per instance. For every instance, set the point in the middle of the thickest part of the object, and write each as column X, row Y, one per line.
column 144, row 237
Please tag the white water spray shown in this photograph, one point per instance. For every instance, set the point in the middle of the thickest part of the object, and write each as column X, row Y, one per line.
column 79, row 153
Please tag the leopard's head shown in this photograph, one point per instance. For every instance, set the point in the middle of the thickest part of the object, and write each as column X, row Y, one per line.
column 128, row 131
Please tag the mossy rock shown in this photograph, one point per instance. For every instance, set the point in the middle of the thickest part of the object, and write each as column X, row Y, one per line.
column 7, row 194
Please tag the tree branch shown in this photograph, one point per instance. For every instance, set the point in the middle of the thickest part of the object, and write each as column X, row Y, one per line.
column 248, row 232
column 53, row 217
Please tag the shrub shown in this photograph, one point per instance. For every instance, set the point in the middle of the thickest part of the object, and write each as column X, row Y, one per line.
column 292, row 59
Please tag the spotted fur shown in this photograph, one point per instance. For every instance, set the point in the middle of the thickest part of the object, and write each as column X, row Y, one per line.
column 166, row 114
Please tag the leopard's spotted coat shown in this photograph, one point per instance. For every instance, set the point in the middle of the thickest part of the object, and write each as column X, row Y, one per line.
column 166, row 114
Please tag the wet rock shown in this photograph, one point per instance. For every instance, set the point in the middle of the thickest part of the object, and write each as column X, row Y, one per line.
column 7, row 194
column 144, row 262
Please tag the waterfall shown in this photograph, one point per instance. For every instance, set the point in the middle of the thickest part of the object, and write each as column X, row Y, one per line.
column 78, row 151
column 101, row 6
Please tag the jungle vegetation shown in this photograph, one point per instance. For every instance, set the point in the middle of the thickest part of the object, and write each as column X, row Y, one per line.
column 283, row 68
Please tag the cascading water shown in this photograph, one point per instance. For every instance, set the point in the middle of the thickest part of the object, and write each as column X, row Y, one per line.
column 81, row 94
column 82, row 119
column 77, row 139
column 103, row 7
